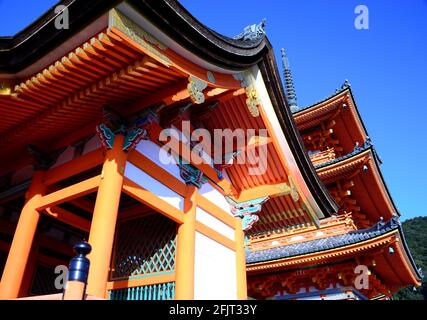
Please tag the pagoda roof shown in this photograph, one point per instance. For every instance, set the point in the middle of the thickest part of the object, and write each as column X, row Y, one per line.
column 357, row 150
column 347, row 164
column 353, row 239
column 333, row 107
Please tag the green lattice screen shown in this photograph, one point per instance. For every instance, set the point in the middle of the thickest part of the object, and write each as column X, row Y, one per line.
column 161, row 291
column 144, row 245
column 44, row 281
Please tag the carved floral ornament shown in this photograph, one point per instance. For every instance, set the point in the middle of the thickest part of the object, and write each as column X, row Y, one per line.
column 253, row 101
column 195, row 88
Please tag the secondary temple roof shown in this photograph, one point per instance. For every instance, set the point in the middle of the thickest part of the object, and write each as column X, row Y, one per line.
column 322, row 244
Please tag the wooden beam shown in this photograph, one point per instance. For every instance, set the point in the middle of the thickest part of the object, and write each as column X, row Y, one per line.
column 148, row 279
column 75, row 166
column 152, row 169
column 69, row 218
column 216, row 236
column 69, row 193
column 153, row 201
column 270, row 190
column 167, row 96
column 180, row 148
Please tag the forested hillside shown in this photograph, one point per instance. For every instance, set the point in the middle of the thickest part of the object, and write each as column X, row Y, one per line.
column 416, row 237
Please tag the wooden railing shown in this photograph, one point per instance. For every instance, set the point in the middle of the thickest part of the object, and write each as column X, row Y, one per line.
column 148, row 287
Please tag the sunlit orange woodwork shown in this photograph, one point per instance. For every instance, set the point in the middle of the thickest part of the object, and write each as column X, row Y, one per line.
column 153, row 201
column 158, row 173
column 69, row 218
column 75, row 191
column 73, row 167
column 22, row 241
column 186, row 248
column 104, row 219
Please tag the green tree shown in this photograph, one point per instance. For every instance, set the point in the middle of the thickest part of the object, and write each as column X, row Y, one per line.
column 415, row 231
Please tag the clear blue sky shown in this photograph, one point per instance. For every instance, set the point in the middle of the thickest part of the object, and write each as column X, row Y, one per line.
column 386, row 66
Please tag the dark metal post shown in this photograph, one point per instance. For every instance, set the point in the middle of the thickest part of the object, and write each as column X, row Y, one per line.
column 78, row 271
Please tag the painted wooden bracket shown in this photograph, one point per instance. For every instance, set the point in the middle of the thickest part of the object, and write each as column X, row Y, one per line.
column 190, row 174
column 133, row 133
column 247, row 210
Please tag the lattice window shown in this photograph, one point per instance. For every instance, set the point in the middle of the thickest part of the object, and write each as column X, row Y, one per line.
column 44, row 281
column 161, row 291
column 144, row 245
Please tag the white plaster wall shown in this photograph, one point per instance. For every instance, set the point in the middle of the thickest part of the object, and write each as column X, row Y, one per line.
column 215, row 270
column 147, row 182
column 212, row 222
column 214, row 196
column 159, row 156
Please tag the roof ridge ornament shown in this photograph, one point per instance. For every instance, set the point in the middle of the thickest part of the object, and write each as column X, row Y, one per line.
column 344, row 86
column 252, row 32
column 289, row 84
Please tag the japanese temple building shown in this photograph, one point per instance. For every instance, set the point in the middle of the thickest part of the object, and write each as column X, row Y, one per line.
column 320, row 263
column 125, row 129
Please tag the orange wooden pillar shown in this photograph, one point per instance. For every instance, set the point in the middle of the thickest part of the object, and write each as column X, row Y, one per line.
column 20, row 249
column 186, row 242
column 30, row 269
column 242, row 291
column 104, row 219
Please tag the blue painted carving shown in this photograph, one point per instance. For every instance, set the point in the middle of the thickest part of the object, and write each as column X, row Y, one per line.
column 246, row 210
column 190, row 174
column 133, row 137
column 252, row 32
column 133, row 133
column 248, row 221
column 106, row 135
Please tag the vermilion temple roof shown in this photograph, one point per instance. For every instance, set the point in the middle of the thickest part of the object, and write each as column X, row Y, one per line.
column 317, row 245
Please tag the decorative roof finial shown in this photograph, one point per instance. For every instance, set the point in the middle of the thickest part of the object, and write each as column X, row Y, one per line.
column 252, row 32
column 346, row 84
column 289, row 84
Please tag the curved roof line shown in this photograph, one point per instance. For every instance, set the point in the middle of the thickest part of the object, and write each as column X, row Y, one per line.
column 41, row 36
column 175, row 21
column 343, row 89
column 357, row 151
column 332, row 242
